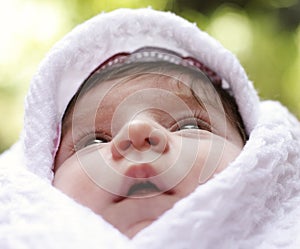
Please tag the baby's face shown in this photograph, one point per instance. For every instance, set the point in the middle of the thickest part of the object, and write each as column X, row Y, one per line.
column 132, row 148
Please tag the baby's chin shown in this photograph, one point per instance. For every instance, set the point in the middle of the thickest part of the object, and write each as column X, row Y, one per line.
column 131, row 215
column 137, row 227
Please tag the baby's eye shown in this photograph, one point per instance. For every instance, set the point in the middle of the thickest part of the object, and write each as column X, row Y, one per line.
column 192, row 124
column 189, row 126
column 91, row 140
column 95, row 141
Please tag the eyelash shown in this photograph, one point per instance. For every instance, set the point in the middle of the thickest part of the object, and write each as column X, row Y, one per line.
column 192, row 124
column 197, row 120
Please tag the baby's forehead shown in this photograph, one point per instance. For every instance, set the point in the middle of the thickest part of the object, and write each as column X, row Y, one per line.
column 188, row 87
column 191, row 86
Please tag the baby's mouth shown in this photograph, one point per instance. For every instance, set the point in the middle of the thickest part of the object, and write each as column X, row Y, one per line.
column 143, row 189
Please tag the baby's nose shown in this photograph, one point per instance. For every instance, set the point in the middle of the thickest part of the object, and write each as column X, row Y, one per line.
column 140, row 136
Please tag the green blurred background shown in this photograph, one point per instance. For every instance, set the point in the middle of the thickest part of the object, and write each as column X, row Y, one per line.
column 264, row 34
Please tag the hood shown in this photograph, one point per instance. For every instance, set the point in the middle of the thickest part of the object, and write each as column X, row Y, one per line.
column 73, row 58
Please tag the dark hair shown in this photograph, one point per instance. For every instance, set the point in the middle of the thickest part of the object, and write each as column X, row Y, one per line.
column 135, row 69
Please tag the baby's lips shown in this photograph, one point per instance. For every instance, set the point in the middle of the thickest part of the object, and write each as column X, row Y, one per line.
column 141, row 171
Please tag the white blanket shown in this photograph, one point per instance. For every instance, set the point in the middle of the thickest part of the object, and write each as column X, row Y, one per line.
column 253, row 203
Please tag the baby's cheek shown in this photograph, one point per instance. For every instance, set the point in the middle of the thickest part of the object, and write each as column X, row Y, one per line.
column 68, row 177
column 216, row 156
column 229, row 154
column 73, row 181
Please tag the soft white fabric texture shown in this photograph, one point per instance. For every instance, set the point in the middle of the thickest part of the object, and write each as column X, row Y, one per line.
column 254, row 203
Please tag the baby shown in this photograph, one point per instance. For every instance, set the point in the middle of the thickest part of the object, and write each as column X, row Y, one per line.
column 142, row 132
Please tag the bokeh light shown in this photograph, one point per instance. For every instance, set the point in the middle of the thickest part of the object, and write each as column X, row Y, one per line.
column 232, row 28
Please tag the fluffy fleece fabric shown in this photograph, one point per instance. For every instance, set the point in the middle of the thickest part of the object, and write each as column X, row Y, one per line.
column 253, row 203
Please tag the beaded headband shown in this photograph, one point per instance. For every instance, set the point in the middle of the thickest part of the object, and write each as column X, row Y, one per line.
column 154, row 54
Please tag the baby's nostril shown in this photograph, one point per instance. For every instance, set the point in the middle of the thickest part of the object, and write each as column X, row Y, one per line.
column 152, row 140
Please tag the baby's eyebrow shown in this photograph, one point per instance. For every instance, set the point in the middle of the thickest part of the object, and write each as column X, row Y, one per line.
column 189, row 94
column 192, row 87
